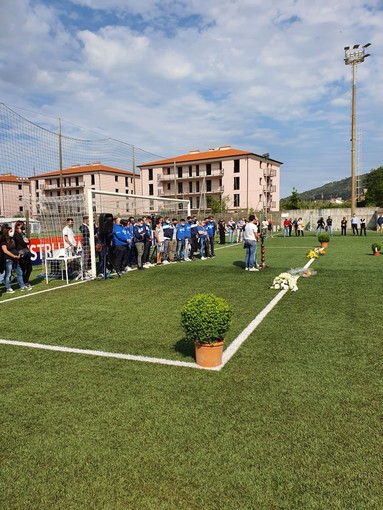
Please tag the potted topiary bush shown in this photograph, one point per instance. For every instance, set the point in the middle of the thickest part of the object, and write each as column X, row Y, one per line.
column 206, row 319
column 324, row 239
column 376, row 247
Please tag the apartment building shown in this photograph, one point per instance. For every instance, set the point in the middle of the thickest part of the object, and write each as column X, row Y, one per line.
column 77, row 179
column 242, row 179
column 14, row 194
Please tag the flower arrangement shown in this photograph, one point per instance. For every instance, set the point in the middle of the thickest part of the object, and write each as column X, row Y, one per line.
column 285, row 281
column 376, row 247
column 315, row 253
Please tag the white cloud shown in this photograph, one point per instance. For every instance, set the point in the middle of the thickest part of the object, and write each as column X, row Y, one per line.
column 172, row 75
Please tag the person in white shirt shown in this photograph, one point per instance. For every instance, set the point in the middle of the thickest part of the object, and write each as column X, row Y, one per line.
column 69, row 239
column 354, row 224
column 251, row 236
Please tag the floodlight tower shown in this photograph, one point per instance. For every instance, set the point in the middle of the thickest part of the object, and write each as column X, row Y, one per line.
column 354, row 56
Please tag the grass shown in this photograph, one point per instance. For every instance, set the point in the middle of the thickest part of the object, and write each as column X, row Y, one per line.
column 293, row 421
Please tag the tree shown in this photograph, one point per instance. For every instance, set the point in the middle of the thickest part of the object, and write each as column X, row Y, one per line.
column 293, row 202
column 217, row 205
column 374, row 185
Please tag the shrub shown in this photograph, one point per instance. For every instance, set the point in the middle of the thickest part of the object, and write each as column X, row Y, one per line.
column 323, row 237
column 206, row 318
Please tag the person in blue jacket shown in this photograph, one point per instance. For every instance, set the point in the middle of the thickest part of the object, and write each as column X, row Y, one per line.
column 210, row 227
column 180, row 236
column 120, row 242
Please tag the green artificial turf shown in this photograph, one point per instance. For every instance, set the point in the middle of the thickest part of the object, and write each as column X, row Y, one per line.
column 293, row 421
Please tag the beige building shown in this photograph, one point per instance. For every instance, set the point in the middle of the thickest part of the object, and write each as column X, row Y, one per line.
column 77, row 179
column 14, row 195
column 242, row 179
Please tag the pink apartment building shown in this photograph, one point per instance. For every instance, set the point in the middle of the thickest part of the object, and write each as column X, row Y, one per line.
column 250, row 181
column 78, row 179
column 14, row 194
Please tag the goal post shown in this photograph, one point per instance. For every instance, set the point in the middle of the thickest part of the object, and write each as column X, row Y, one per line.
column 125, row 206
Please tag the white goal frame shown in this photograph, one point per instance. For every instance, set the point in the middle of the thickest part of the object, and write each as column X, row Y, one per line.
column 91, row 196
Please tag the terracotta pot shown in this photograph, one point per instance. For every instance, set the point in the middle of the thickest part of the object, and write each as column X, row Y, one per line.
column 209, row 355
column 324, row 244
column 376, row 253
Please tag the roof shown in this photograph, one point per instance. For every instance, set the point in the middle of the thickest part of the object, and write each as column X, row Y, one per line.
column 195, row 156
column 13, row 178
column 85, row 169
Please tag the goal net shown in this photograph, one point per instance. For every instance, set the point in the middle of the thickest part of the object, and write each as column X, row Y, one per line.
column 53, row 213
column 130, row 206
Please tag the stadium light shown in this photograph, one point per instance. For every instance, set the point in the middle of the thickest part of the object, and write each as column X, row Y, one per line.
column 353, row 57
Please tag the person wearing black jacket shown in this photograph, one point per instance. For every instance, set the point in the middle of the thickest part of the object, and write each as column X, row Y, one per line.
column 22, row 246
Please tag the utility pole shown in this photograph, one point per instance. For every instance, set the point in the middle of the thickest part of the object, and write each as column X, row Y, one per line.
column 354, row 56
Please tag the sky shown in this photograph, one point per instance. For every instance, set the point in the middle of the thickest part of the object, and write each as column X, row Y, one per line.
column 170, row 76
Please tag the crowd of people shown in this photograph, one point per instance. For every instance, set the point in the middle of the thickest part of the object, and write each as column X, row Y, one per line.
column 358, row 226
column 141, row 243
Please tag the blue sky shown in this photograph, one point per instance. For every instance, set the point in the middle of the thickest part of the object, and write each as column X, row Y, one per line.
column 171, row 76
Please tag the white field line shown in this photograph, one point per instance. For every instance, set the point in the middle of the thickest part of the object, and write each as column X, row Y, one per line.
column 236, row 344
column 30, row 293
column 227, row 355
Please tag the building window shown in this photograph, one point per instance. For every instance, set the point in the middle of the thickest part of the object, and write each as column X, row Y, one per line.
column 190, row 171
column 151, row 189
column 236, row 166
column 168, row 186
column 191, row 203
column 168, row 171
column 208, row 185
column 260, row 181
column 197, row 186
column 197, row 203
column 21, row 208
column 197, row 170
column 208, row 168
column 92, row 180
column 126, row 182
column 150, row 174
column 180, row 187
column 20, row 186
column 236, row 200
column 179, row 170
column 77, row 191
column 190, row 187
column 236, row 183
column 117, row 191
column 77, row 181
column 116, row 178
column 220, row 165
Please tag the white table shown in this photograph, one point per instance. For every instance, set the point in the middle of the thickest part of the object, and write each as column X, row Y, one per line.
column 62, row 257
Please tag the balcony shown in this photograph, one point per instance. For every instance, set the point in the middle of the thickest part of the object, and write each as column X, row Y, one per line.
column 268, row 188
column 170, row 193
column 50, row 187
column 186, row 176
column 269, row 172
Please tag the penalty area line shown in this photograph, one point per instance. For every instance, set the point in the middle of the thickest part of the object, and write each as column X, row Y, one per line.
column 227, row 354
column 237, row 342
column 103, row 354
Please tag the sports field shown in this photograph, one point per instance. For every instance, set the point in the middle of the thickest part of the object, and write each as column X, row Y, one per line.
column 293, row 420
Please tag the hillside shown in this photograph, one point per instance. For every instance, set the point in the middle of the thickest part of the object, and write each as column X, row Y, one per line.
column 336, row 189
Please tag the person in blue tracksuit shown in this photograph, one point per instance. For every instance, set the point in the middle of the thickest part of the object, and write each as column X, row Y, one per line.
column 180, row 236
column 211, row 228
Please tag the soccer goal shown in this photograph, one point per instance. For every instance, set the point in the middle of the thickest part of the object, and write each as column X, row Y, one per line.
column 126, row 206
